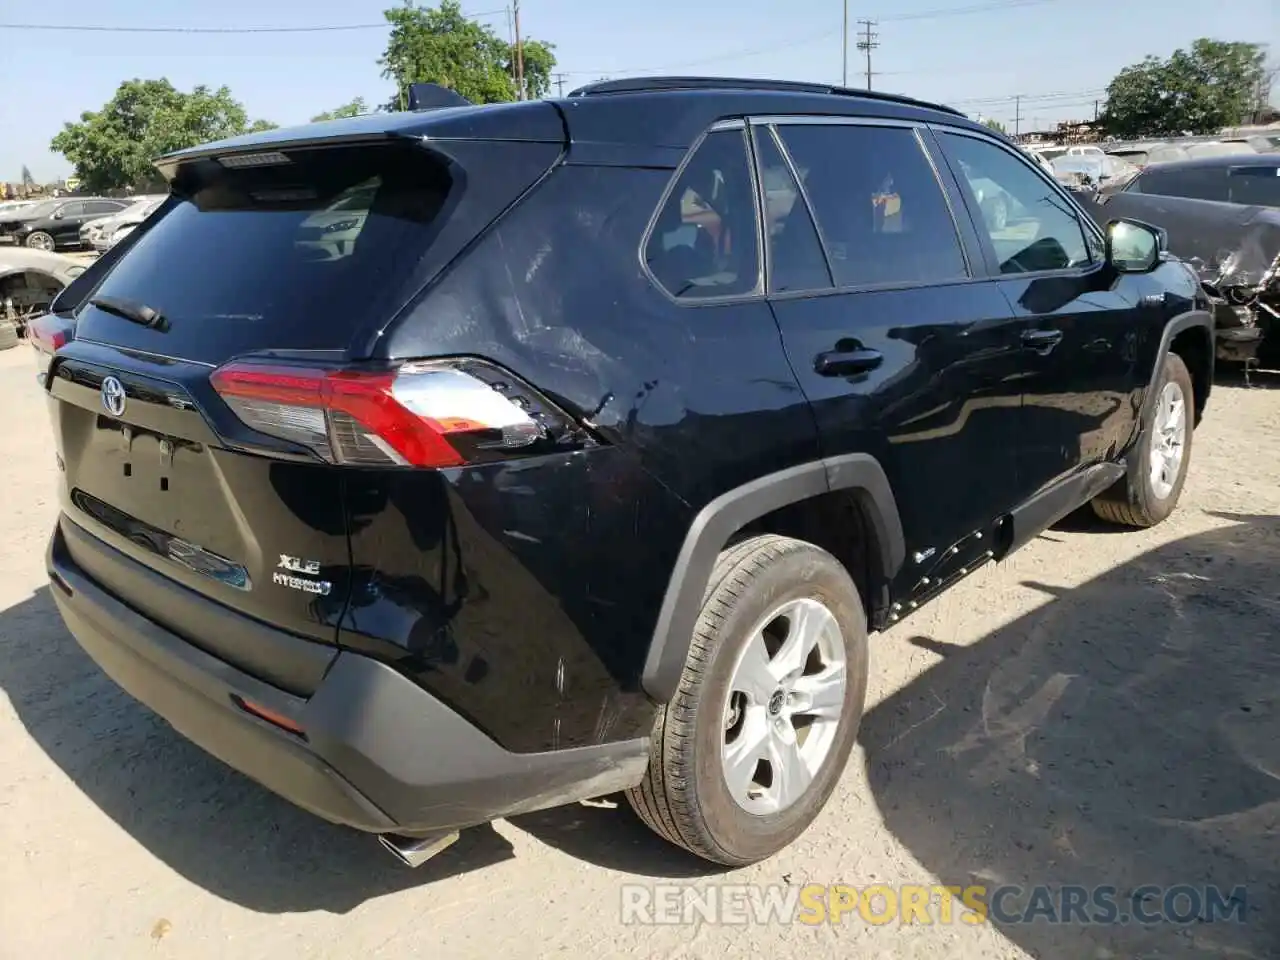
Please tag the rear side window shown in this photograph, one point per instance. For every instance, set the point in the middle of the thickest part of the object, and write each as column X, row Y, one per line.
column 1030, row 225
column 879, row 206
column 796, row 260
column 1256, row 186
column 704, row 241
column 1192, row 183
column 300, row 253
column 103, row 206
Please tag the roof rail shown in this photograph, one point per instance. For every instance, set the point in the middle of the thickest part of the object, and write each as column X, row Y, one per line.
column 654, row 84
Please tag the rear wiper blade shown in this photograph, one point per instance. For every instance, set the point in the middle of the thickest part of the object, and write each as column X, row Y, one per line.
column 132, row 310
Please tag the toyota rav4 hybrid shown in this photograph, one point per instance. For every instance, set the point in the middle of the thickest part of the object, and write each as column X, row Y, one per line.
column 588, row 462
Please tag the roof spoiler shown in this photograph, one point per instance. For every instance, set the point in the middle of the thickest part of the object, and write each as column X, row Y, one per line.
column 432, row 96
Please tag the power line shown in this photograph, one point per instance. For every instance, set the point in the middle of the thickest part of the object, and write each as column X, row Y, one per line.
column 325, row 28
column 991, row 5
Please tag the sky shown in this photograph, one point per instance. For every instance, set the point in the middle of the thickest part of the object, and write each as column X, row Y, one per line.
column 1058, row 55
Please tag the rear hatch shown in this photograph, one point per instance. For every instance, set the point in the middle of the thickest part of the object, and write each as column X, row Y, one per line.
column 190, row 407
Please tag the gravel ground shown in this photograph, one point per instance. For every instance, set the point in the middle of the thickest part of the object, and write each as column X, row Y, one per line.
column 1100, row 709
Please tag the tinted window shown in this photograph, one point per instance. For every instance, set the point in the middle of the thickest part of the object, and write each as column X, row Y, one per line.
column 255, row 253
column 796, row 261
column 1194, row 183
column 103, row 206
column 878, row 204
column 704, row 241
column 1258, row 186
column 75, row 209
column 1030, row 224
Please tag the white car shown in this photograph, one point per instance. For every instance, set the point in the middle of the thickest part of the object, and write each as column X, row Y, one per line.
column 105, row 234
column 331, row 234
column 93, row 232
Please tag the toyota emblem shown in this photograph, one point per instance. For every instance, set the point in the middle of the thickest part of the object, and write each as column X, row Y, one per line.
column 113, row 396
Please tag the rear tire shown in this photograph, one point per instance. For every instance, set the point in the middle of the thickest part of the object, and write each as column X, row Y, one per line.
column 696, row 793
column 1153, row 480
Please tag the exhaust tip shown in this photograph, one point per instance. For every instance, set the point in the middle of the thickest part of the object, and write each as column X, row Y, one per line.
column 415, row 851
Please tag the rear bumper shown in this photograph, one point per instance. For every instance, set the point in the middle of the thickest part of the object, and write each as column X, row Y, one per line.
column 379, row 753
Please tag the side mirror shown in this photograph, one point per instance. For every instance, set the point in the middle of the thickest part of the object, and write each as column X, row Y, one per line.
column 58, row 215
column 1133, row 246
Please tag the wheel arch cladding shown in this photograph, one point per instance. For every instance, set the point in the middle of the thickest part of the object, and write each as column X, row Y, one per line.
column 1193, row 342
column 1190, row 336
column 717, row 522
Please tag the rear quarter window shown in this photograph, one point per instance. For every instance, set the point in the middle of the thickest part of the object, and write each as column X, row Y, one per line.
column 704, row 240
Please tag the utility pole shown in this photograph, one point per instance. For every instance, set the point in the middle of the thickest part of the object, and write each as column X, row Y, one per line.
column 868, row 43
column 511, row 42
column 844, row 47
column 1095, row 111
column 560, row 84
column 1017, row 116
column 515, row 13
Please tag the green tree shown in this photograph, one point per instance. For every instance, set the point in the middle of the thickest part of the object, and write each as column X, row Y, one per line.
column 113, row 147
column 1212, row 85
column 353, row 109
column 996, row 125
column 440, row 45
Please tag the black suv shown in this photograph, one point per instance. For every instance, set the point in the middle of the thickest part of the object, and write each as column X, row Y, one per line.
column 588, row 458
column 56, row 223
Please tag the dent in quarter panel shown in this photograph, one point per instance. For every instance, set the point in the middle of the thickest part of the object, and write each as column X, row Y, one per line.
column 522, row 595
column 704, row 395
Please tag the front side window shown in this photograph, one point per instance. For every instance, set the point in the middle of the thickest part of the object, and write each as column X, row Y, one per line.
column 880, row 209
column 75, row 209
column 1029, row 223
column 704, row 242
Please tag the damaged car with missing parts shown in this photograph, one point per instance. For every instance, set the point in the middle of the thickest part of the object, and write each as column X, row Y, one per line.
column 1222, row 217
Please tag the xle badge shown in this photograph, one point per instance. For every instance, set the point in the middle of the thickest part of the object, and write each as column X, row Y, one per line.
column 297, row 565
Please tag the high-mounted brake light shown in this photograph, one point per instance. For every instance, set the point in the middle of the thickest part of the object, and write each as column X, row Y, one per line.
column 236, row 161
column 431, row 414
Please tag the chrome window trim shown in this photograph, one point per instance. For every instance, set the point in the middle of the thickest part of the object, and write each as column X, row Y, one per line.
column 819, row 119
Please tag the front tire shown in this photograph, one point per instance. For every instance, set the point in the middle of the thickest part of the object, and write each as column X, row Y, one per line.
column 39, row 240
column 1157, row 465
column 750, row 748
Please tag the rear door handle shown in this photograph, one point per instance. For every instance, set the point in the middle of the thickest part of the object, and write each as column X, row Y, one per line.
column 842, row 363
column 1041, row 341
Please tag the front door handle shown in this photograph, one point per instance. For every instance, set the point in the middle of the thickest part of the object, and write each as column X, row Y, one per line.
column 843, row 363
column 1041, row 341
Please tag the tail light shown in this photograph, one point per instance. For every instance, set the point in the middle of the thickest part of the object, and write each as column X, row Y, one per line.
column 46, row 333
column 427, row 414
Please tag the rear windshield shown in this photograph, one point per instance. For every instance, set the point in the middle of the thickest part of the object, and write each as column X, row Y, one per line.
column 296, row 255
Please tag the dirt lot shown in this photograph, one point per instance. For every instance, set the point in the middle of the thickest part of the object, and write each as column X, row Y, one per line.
column 1101, row 709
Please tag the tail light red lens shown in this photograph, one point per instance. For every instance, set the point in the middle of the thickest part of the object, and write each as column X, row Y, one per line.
column 429, row 414
column 46, row 333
